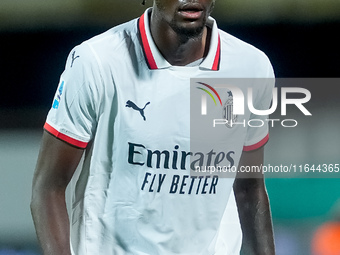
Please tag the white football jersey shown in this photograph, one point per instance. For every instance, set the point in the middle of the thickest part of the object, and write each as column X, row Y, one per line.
column 122, row 101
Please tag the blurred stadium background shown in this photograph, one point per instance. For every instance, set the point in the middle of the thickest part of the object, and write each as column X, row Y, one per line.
column 299, row 36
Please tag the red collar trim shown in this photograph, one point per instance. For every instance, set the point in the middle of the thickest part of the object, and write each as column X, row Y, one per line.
column 146, row 47
column 150, row 60
column 216, row 64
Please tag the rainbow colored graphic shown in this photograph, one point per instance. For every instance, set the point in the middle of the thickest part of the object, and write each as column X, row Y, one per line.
column 209, row 93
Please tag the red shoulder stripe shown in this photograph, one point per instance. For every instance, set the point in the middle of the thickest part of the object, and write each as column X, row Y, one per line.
column 257, row 145
column 64, row 137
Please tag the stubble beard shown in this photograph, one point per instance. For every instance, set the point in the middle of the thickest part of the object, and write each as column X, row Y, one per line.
column 188, row 33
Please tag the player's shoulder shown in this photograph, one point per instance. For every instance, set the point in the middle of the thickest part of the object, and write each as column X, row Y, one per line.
column 110, row 41
column 241, row 49
column 238, row 45
column 115, row 37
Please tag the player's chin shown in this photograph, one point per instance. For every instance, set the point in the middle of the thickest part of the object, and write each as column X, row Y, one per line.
column 192, row 32
column 189, row 28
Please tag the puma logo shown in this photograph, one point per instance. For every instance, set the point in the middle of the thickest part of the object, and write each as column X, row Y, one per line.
column 135, row 107
column 74, row 57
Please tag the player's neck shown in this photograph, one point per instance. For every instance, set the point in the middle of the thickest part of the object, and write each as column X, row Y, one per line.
column 180, row 50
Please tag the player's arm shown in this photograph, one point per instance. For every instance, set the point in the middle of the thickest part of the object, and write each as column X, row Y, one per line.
column 253, row 207
column 56, row 164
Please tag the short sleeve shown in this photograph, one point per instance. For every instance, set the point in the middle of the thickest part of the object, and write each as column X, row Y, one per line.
column 75, row 107
column 257, row 129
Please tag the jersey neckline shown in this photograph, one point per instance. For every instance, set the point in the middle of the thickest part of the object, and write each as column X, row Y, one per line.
column 154, row 58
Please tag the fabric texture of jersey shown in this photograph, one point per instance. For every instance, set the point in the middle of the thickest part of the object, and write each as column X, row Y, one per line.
column 123, row 102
